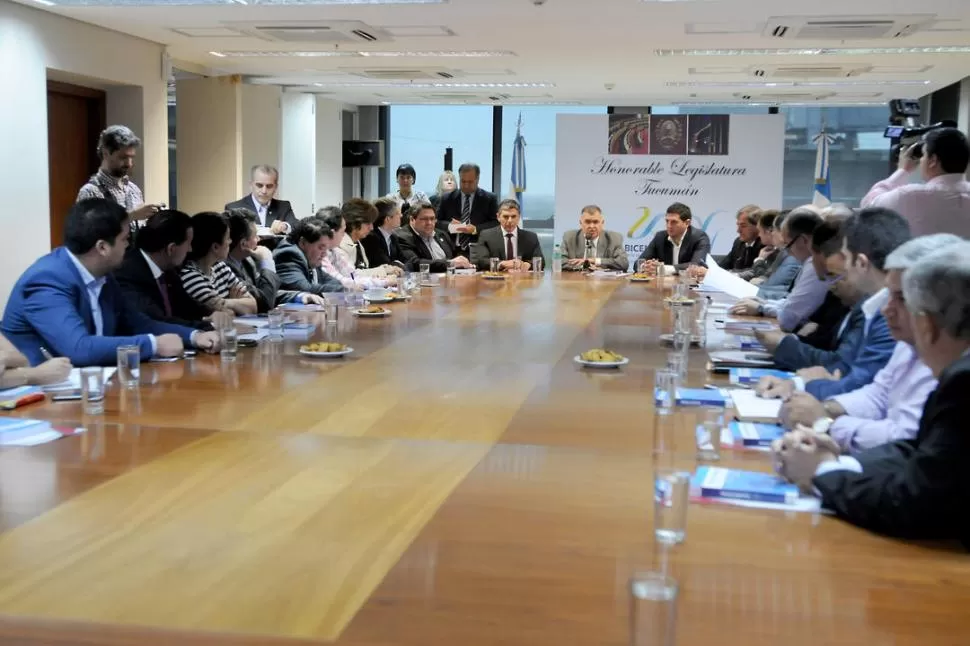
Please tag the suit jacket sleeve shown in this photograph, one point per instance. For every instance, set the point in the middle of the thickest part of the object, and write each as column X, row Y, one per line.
column 286, row 213
column 49, row 307
column 701, row 247
column 906, row 489
column 481, row 252
column 727, row 262
column 135, row 322
column 262, row 284
column 491, row 217
column 532, row 247
column 654, row 250
column 617, row 259
column 291, row 276
column 143, row 302
column 877, row 348
column 794, row 354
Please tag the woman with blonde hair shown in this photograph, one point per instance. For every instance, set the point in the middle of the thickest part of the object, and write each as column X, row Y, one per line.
column 446, row 184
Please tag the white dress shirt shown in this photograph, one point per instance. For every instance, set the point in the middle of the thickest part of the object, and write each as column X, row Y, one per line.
column 515, row 242
column 261, row 210
column 671, row 269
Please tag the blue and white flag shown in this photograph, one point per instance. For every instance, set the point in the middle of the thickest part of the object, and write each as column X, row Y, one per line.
column 823, row 187
column 518, row 165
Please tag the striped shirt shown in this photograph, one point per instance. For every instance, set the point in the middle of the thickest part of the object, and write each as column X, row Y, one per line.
column 210, row 291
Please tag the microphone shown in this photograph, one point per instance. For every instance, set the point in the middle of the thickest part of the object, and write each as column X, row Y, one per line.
column 589, row 252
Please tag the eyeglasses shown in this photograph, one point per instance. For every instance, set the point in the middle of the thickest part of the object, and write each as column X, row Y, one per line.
column 793, row 241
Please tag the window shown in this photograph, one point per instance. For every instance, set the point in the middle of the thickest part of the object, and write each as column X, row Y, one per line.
column 419, row 135
column 539, row 132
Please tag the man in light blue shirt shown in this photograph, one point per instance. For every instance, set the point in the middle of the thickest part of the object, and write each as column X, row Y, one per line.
column 808, row 291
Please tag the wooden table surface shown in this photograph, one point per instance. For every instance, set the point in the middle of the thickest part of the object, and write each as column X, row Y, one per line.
column 456, row 480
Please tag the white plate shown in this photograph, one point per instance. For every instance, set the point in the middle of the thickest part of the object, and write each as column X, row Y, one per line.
column 493, row 277
column 343, row 352
column 372, row 314
column 377, row 299
column 601, row 364
column 641, row 280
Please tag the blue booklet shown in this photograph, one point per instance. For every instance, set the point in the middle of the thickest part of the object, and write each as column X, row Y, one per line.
column 751, row 434
column 717, row 482
column 696, row 397
column 312, row 307
column 750, row 343
column 751, row 376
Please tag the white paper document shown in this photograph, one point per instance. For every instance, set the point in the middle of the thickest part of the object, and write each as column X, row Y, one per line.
column 724, row 281
column 74, row 381
column 750, row 407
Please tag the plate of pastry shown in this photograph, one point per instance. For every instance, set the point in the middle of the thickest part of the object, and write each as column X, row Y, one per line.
column 325, row 350
column 493, row 275
column 599, row 358
column 372, row 310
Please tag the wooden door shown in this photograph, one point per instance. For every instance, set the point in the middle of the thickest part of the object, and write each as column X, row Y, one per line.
column 75, row 118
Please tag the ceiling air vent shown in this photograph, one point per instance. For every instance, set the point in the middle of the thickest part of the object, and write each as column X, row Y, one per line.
column 403, row 74
column 317, row 32
column 810, row 71
column 845, row 27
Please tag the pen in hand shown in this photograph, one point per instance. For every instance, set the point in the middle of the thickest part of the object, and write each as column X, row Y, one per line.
column 47, row 355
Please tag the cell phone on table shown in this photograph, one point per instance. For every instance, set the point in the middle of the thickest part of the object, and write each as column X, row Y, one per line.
column 247, row 343
column 66, row 396
column 188, row 353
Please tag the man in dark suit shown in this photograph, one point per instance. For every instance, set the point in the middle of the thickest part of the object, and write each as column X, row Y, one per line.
column 469, row 210
column 148, row 276
column 421, row 241
column 273, row 214
column 680, row 246
column 254, row 265
column 747, row 245
column 68, row 304
column 908, row 488
column 507, row 242
column 381, row 245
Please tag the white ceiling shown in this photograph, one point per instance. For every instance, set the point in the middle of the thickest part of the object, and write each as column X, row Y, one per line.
column 582, row 47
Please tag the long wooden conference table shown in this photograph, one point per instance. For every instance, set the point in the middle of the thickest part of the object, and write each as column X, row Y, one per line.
column 456, row 480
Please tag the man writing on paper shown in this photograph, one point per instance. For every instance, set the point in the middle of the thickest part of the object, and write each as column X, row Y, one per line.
column 914, row 488
column 889, row 408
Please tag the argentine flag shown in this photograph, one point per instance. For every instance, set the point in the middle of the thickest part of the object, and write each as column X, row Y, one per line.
column 518, row 165
column 823, row 187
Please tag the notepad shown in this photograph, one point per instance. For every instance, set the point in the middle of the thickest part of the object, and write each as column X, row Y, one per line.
column 73, row 382
column 17, row 431
column 749, row 407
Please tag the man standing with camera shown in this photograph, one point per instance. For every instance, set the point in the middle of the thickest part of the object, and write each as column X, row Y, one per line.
column 942, row 203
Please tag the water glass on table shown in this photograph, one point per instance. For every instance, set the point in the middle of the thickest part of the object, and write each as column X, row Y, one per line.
column 677, row 363
column 129, row 365
column 671, row 489
column 92, row 390
column 229, row 340
column 709, row 428
column 450, row 271
column 653, row 609
column 665, row 390
column 493, row 264
column 330, row 312
column 537, row 265
column 274, row 327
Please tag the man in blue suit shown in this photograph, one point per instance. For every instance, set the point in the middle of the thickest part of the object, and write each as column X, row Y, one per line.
column 68, row 304
column 865, row 344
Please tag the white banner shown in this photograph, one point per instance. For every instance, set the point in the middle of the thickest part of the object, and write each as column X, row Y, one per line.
column 635, row 167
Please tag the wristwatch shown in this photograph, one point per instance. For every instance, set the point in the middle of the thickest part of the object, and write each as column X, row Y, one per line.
column 822, row 425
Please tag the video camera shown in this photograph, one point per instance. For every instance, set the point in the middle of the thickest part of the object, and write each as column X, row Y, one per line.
column 905, row 129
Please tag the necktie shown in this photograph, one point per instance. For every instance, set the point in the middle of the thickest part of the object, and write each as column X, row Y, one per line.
column 466, row 218
column 509, row 252
column 163, row 288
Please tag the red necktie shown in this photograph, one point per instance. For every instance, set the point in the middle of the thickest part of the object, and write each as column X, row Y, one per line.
column 509, row 252
column 163, row 288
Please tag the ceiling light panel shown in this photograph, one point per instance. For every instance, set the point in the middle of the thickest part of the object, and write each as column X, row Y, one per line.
column 169, row 3
column 815, row 51
column 783, row 84
column 412, row 86
column 371, row 54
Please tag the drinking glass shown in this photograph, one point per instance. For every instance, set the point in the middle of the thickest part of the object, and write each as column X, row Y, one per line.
column 665, row 390
column 129, row 365
column 642, row 266
column 493, row 264
column 450, row 272
column 517, row 263
column 671, row 489
column 330, row 312
column 653, row 610
column 709, row 433
column 274, row 327
column 682, row 320
column 424, row 268
column 229, row 339
column 92, row 390
column 677, row 363
column 537, row 264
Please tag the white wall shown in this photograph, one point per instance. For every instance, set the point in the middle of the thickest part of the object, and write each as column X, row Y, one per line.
column 330, row 174
column 209, row 141
column 298, row 153
column 261, row 128
column 31, row 41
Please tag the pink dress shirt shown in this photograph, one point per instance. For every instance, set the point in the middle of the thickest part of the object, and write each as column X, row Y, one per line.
column 941, row 205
